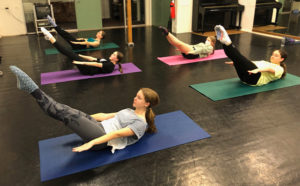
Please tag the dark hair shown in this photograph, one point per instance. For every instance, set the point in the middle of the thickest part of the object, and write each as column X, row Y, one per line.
column 213, row 42
column 120, row 56
column 151, row 97
column 283, row 55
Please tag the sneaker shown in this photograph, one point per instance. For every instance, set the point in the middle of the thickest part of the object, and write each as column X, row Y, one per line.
column 46, row 33
column 222, row 35
column 218, row 32
column 287, row 41
column 51, row 21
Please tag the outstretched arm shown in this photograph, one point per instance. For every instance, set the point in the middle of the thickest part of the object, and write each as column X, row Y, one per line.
column 94, row 64
column 87, row 43
column 105, row 138
column 103, row 116
column 89, row 58
column 228, row 62
column 257, row 70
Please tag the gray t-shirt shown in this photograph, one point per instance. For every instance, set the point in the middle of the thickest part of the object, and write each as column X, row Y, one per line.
column 203, row 49
column 125, row 118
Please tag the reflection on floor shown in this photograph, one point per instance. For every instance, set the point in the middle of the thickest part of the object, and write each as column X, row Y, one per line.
column 255, row 138
column 275, row 30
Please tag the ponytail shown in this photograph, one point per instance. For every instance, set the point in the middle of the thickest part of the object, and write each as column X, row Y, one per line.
column 283, row 65
column 213, row 43
column 153, row 99
column 150, row 115
column 283, row 55
column 120, row 56
column 120, row 67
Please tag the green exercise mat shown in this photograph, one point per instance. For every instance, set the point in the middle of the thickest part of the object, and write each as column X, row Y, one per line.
column 230, row 88
column 50, row 51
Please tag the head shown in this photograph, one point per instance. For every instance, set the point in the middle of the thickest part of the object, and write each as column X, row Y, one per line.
column 100, row 34
column 212, row 41
column 147, row 98
column 278, row 57
column 116, row 57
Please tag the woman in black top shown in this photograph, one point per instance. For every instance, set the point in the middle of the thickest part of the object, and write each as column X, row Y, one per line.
column 88, row 65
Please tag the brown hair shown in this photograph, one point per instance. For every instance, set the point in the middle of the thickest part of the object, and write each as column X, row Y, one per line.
column 151, row 97
column 103, row 34
column 120, row 56
column 283, row 55
column 213, row 42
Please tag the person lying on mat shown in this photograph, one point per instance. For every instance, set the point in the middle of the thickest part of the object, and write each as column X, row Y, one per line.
column 254, row 73
column 87, row 65
column 100, row 130
column 77, row 43
column 199, row 50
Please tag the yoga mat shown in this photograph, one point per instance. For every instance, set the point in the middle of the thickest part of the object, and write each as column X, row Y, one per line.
column 102, row 46
column 230, row 88
column 74, row 74
column 57, row 158
column 179, row 59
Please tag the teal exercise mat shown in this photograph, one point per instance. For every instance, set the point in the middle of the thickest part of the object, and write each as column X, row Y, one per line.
column 230, row 88
column 102, row 46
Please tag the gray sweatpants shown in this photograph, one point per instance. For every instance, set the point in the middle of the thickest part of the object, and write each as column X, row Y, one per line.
column 81, row 123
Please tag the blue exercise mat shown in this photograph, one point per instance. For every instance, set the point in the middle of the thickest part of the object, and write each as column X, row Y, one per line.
column 230, row 88
column 57, row 158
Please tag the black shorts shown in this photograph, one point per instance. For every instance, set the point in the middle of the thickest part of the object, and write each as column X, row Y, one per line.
column 190, row 56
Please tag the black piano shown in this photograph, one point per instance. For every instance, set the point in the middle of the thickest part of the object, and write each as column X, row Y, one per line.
column 204, row 8
column 264, row 11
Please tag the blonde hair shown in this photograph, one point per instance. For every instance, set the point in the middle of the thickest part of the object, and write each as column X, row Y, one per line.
column 213, row 42
column 153, row 98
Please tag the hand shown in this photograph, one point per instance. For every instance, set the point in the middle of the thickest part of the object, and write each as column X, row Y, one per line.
column 255, row 71
column 78, row 62
column 83, row 147
column 229, row 63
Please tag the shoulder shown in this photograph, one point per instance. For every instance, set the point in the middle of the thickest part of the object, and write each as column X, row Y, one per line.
column 126, row 110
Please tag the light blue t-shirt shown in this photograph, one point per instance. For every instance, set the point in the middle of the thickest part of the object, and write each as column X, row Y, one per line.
column 125, row 118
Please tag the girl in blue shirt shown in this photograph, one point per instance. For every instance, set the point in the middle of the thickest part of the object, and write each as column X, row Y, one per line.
column 77, row 43
column 127, row 124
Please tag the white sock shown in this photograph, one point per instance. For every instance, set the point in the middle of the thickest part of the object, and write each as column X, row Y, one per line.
column 47, row 34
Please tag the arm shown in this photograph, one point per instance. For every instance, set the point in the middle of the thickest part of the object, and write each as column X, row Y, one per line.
column 229, row 63
column 94, row 64
column 257, row 70
column 103, row 116
column 105, row 138
column 93, row 44
column 89, row 58
column 202, row 49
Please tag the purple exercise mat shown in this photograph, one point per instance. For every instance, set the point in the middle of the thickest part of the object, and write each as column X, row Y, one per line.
column 71, row 75
column 180, row 60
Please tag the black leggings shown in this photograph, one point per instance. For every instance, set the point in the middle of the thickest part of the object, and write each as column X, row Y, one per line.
column 242, row 65
column 68, row 37
column 81, row 123
column 85, row 70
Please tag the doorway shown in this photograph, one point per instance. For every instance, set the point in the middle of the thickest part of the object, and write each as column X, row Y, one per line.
column 113, row 12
